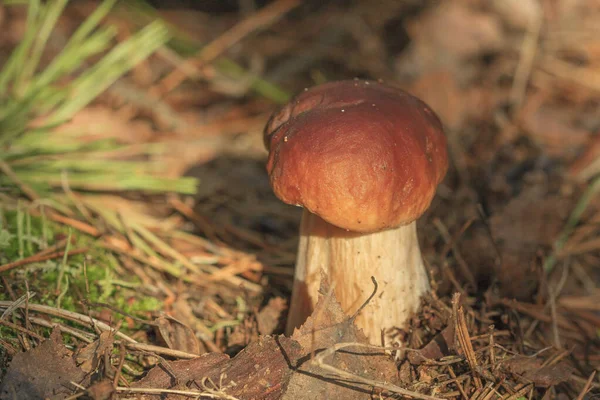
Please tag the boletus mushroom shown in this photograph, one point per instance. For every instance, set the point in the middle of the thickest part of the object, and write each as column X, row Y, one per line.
column 363, row 159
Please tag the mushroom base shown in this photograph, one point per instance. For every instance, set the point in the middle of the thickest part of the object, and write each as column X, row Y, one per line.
column 348, row 260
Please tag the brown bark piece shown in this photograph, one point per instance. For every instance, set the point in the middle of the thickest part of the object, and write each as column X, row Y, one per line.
column 260, row 371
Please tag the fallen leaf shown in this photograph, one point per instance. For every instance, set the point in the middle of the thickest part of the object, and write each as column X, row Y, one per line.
column 102, row 390
column 532, row 369
column 529, row 222
column 45, row 372
column 440, row 346
column 328, row 326
column 177, row 335
column 89, row 357
column 553, row 129
column 269, row 318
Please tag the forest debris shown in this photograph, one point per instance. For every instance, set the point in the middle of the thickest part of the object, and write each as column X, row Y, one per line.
column 518, row 14
column 440, row 346
column 553, row 130
column 180, row 373
column 100, row 122
column 329, row 326
column 89, row 357
column 473, row 33
column 533, row 369
column 269, row 318
column 177, row 335
column 101, row 390
column 527, row 224
column 44, row 372
column 464, row 338
column 260, row 371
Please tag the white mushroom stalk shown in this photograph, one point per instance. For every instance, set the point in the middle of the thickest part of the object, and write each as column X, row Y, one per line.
column 349, row 260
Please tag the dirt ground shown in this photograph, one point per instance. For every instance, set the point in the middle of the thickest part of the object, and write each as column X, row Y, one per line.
column 510, row 239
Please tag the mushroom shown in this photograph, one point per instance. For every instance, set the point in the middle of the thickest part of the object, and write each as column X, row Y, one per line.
column 363, row 159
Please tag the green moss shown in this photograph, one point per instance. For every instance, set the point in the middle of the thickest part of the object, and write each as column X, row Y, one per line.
column 91, row 276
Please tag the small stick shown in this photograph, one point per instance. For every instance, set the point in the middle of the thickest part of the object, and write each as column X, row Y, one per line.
column 39, row 258
column 526, row 59
column 28, row 191
column 70, row 315
column 458, row 384
column 189, row 393
column 259, row 20
column 587, row 386
column 21, row 329
column 492, row 352
column 464, row 339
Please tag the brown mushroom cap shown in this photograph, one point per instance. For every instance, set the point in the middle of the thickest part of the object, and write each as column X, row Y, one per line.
column 363, row 156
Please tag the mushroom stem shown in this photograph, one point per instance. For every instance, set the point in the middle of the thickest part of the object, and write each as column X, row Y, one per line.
column 348, row 260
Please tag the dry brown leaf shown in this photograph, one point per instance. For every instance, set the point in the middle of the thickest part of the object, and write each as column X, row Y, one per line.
column 328, row 326
column 102, row 390
column 440, row 346
column 89, row 357
column 532, row 369
column 554, row 130
column 177, row 335
column 269, row 318
column 45, row 372
column 528, row 223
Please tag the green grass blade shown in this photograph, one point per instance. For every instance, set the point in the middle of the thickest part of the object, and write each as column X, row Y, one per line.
column 121, row 59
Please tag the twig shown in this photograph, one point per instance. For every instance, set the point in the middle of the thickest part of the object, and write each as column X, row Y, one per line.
column 21, row 329
column 553, row 294
column 74, row 223
column 587, row 386
column 69, row 315
column 366, row 303
column 451, row 243
column 18, row 303
column 464, row 339
column 189, row 393
column 573, row 220
column 458, row 384
column 39, row 258
column 159, row 350
column 81, row 335
column 261, row 19
column 28, row 191
column 527, row 57
column 119, row 311
column 91, row 322
column 120, row 365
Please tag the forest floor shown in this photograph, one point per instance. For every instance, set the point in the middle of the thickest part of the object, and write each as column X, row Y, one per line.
column 183, row 293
